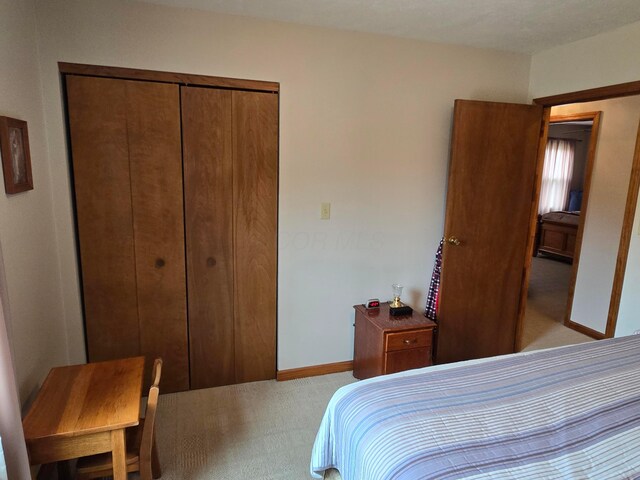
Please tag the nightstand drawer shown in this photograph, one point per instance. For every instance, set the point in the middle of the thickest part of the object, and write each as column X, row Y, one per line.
column 410, row 339
column 400, row 361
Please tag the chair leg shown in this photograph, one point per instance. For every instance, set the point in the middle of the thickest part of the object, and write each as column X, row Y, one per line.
column 156, row 472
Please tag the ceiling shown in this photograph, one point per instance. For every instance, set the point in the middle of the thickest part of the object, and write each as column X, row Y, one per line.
column 525, row 26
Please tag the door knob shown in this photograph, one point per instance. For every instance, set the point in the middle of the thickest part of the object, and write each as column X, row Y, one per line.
column 453, row 241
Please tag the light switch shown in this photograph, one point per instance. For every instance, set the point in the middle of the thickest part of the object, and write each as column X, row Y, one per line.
column 325, row 211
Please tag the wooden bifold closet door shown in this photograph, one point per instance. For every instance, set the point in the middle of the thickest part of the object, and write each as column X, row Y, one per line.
column 255, row 194
column 176, row 210
column 208, row 175
column 127, row 166
column 230, row 151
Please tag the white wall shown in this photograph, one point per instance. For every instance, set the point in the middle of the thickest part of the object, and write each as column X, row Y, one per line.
column 27, row 231
column 629, row 314
column 605, row 212
column 601, row 60
column 605, row 59
column 11, row 433
column 365, row 123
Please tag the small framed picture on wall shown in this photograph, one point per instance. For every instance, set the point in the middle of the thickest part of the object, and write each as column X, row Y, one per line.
column 16, row 159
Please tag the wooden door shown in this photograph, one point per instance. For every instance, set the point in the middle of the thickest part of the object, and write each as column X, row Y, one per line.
column 208, row 174
column 490, row 202
column 155, row 162
column 97, row 113
column 126, row 154
column 255, row 199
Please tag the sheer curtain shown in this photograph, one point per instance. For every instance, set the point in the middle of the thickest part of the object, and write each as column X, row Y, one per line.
column 556, row 175
column 12, row 436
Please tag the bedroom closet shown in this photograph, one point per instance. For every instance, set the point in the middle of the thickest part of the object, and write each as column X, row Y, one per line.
column 175, row 184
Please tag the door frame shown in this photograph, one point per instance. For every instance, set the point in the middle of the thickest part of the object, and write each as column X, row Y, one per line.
column 625, row 241
column 582, row 96
column 588, row 177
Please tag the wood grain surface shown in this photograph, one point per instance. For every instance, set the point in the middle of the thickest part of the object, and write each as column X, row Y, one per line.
column 166, row 77
column 208, row 174
column 84, row 410
column 138, row 238
column 591, row 95
column 382, row 320
column 407, row 339
column 153, row 125
column 400, row 361
column 533, row 225
column 490, row 198
column 314, row 370
column 630, row 212
column 81, row 399
column 255, row 198
column 7, row 123
column 97, row 112
column 586, row 194
column 388, row 344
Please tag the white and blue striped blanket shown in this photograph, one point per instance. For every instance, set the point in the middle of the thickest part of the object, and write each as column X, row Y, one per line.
column 565, row 413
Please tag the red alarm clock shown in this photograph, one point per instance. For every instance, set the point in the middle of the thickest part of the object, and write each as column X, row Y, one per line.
column 372, row 303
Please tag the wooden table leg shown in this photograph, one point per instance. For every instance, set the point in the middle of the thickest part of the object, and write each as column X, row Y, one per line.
column 64, row 470
column 119, row 454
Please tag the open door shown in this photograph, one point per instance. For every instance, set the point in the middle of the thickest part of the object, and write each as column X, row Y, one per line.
column 490, row 202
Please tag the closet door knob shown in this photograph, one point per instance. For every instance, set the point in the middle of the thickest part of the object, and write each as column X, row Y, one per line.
column 160, row 263
column 211, row 262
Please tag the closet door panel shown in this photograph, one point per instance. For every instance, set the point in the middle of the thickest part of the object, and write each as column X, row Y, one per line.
column 156, row 191
column 255, row 182
column 97, row 111
column 208, row 173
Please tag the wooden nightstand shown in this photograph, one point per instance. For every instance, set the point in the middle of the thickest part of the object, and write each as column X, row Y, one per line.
column 386, row 344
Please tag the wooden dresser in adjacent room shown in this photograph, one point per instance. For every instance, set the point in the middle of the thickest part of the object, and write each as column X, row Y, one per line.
column 175, row 181
column 387, row 344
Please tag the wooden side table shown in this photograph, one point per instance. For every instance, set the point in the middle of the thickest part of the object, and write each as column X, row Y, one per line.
column 387, row 344
column 82, row 410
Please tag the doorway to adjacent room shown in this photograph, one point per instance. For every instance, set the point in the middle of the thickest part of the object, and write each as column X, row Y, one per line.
column 562, row 207
column 603, row 235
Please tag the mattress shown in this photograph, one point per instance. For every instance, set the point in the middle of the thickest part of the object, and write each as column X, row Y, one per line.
column 566, row 413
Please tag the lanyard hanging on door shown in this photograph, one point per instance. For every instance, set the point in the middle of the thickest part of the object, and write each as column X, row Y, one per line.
column 431, row 310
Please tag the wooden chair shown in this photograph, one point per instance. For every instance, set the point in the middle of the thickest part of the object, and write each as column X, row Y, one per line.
column 142, row 454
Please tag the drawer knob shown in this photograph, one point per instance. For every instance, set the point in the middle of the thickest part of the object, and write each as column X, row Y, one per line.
column 409, row 342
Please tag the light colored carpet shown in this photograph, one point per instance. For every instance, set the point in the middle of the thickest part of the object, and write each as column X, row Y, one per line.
column 265, row 430
column 253, row 431
column 546, row 307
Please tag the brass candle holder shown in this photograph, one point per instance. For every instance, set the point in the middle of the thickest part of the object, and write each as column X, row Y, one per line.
column 396, row 307
column 397, row 293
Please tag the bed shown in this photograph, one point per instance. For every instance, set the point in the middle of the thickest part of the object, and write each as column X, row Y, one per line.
column 565, row 413
column 556, row 234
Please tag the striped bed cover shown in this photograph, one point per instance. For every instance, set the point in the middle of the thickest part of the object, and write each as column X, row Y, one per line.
column 565, row 413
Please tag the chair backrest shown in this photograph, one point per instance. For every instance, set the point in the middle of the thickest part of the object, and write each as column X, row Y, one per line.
column 147, row 440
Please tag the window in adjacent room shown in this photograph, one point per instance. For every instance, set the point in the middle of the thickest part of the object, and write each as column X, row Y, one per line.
column 556, row 175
